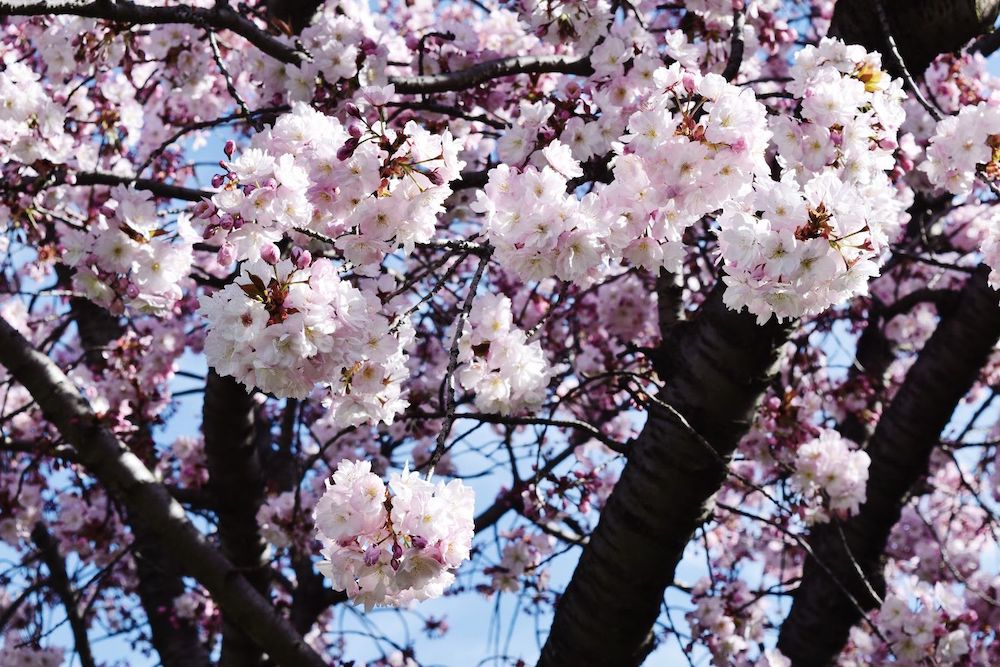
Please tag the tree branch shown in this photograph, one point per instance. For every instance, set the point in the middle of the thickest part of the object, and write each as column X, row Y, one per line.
column 822, row 615
column 148, row 502
column 220, row 17
column 489, row 70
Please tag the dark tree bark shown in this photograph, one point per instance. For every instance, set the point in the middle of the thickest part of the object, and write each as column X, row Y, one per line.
column 717, row 366
column 175, row 639
column 237, row 488
column 922, row 29
column 822, row 613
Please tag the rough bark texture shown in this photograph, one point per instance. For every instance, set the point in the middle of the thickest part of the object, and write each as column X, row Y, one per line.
column 822, row 614
column 159, row 583
column 719, row 364
column 236, row 485
column 922, row 29
column 148, row 503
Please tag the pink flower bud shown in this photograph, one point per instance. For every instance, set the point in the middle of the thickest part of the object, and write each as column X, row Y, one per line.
column 372, row 555
column 397, row 551
column 204, row 209
column 217, row 181
column 347, row 150
column 269, row 253
column 302, row 258
column 418, row 542
column 132, row 291
column 227, row 253
column 230, row 148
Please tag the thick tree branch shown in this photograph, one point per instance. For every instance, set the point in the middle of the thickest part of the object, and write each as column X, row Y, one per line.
column 158, row 188
column 219, row 17
column 147, row 501
column 236, row 485
column 822, row 615
column 718, row 366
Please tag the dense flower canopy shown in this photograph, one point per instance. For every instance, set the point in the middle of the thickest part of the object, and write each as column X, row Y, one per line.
column 672, row 324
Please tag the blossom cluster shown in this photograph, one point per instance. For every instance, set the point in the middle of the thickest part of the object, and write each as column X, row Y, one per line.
column 832, row 474
column 965, row 146
column 26, row 656
column 851, row 111
column 522, row 556
column 930, row 630
column 813, row 239
column 395, row 544
column 368, row 185
column 793, row 250
column 126, row 257
column 695, row 144
column 31, row 123
column 286, row 325
column 729, row 621
column 507, row 373
column 539, row 230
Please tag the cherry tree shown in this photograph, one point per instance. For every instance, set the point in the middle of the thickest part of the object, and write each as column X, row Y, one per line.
column 675, row 322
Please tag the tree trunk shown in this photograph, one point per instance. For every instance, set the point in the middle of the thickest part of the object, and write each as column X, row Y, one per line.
column 922, row 29
column 718, row 366
column 237, row 489
column 822, row 613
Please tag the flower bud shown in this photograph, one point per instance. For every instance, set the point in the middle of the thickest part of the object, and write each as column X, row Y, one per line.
column 217, row 180
column 372, row 555
column 347, row 150
column 204, row 209
column 302, row 258
column 230, row 148
column 269, row 253
column 227, row 253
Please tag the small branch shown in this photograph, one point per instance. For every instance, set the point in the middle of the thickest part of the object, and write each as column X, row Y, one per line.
column 449, row 402
column 894, row 51
column 59, row 582
column 230, row 85
column 158, row 188
column 489, row 70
